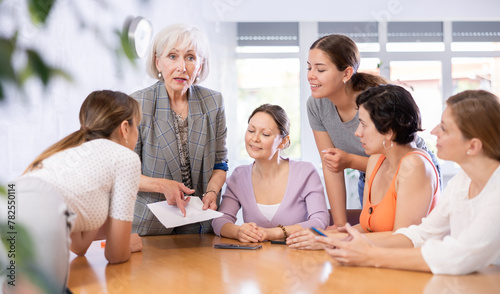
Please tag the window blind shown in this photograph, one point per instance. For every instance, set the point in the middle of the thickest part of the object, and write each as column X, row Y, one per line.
column 414, row 31
column 268, row 34
column 468, row 31
column 359, row 32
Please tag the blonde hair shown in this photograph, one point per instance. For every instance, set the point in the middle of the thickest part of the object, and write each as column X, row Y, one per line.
column 184, row 36
column 100, row 114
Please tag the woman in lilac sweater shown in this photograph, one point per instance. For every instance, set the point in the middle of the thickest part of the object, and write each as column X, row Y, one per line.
column 278, row 196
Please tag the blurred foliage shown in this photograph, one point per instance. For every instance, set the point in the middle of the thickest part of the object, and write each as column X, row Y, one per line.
column 36, row 66
column 25, row 266
column 39, row 10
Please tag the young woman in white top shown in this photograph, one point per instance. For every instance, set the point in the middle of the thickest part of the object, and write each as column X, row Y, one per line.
column 459, row 236
column 83, row 185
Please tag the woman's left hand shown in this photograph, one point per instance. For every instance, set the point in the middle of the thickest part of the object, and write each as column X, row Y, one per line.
column 135, row 243
column 355, row 249
column 210, row 201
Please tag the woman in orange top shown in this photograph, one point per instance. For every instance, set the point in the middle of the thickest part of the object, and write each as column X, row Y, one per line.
column 403, row 183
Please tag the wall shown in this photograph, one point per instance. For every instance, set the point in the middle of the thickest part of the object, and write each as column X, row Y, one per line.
column 33, row 120
column 360, row 10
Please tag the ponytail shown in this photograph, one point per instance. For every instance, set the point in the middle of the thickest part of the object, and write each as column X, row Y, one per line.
column 361, row 81
column 100, row 114
column 72, row 140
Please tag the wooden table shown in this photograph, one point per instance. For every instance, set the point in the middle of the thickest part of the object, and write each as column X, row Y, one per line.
column 190, row 264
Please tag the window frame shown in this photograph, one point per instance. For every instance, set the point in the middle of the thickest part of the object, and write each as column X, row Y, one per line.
column 308, row 33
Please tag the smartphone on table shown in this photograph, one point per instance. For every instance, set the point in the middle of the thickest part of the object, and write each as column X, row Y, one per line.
column 282, row 242
column 237, row 246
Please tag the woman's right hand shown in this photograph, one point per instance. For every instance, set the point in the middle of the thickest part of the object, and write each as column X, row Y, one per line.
column 249, row 232
column 303, row 239
column 336, row 160
column 174, row 193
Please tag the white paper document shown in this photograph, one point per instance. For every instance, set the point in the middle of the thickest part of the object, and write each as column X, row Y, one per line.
column 171, row 216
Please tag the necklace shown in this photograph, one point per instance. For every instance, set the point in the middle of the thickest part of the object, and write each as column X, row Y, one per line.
column 180, row 115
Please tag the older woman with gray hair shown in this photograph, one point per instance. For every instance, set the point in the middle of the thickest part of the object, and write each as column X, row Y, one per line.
column 182, row 135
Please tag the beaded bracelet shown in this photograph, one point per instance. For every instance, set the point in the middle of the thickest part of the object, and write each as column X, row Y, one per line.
column 284, row 231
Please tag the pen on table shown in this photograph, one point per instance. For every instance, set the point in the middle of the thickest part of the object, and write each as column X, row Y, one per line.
column 318, row 232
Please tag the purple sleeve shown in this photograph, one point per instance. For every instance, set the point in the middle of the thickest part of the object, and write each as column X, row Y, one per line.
column 229, row 204
column 312, row 193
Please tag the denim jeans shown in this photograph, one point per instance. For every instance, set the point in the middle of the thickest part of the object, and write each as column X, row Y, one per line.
column 361, row 186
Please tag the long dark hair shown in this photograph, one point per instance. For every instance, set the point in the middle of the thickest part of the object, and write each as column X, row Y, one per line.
column 100, row 114
column 391, row 107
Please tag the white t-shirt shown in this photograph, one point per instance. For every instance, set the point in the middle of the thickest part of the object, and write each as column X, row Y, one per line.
column 97, row 179
column 461, row 235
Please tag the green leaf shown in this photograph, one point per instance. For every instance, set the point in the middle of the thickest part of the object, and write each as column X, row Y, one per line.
column 40, row 10
column 23, row 243
column 3, row 190
column 25, row 74
column 36, row 63
column 23, row 249
column 6, row 50
column 126, row 46
column 1, row 98
column 61, row 73
column 38, row 68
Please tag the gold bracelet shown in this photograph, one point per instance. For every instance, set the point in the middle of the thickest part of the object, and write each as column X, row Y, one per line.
column 284, row 231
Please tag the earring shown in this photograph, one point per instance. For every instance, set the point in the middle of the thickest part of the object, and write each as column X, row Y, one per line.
column 468, row 152
column 126, row 141
column 383, row 144
column 159, row 75
column 344, row 82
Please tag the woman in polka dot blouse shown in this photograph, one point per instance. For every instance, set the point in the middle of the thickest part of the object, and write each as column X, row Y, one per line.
column 84, row 187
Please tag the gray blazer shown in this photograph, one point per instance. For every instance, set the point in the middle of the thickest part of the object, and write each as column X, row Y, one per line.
column 158, row 150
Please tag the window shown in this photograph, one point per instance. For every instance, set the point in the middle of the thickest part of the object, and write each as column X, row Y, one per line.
column 268, row 37
column 479, row 65
column 415, row 37
column 434, row 60
column 423, row 80
column 365, row 34
column 476, row 73
column 269, row 80
column 268, row 71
